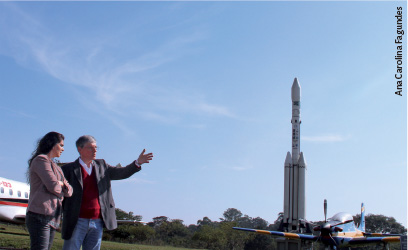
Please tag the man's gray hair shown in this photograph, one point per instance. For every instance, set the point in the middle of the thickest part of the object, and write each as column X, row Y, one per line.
column 80, row 143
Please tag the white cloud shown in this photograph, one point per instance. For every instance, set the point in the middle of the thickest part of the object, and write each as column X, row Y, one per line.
column 123, row 87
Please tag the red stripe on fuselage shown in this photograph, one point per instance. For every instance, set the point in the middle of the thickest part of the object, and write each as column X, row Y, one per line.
column 16, row 204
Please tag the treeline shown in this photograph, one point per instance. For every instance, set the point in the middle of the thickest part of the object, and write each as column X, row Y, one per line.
column 218, row 235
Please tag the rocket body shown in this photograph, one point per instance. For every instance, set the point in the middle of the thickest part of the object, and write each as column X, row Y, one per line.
column 295, row 172
column 295, row 121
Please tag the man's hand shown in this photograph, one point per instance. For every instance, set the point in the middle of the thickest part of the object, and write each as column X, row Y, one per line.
column 144, row 158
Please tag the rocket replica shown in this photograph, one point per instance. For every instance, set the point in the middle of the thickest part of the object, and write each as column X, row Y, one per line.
column 295, row 173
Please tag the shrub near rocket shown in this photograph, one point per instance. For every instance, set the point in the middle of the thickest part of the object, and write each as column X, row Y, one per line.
column 295, row 173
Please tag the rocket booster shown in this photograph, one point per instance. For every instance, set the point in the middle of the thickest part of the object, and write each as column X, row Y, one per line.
column 295, row 171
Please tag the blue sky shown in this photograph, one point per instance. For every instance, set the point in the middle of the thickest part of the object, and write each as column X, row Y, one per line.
column 205, row 86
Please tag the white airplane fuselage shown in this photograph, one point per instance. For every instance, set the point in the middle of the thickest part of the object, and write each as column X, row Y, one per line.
column 13, row 200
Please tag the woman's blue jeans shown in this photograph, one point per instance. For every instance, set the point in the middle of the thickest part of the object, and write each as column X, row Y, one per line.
column 41, row 233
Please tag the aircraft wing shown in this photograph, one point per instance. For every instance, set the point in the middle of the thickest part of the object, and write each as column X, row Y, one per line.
column 130, row 222
column 379, row 234
column 368, row 240
column 20, row 218
column 280, row 234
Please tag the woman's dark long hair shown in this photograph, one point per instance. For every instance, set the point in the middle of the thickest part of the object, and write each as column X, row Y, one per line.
column 44, row 146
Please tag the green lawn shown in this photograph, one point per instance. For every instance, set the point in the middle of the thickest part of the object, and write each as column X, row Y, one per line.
column 17, row 237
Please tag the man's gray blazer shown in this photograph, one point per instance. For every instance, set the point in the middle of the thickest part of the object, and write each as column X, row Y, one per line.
column 104, row 174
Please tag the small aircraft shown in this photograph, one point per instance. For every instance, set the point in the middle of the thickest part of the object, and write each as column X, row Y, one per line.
column 14, row 202
column 338, row 232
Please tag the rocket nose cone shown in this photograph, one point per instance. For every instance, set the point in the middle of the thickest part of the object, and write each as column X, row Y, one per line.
column 302, row 161
column 295, row 90
column 288, row 160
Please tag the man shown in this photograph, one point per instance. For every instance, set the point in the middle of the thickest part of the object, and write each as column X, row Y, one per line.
column 91, row 206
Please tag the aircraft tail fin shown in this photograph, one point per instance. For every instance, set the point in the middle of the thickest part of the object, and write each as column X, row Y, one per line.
column 361, row 227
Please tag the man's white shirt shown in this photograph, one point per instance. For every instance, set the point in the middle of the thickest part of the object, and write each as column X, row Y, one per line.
column 87, row 169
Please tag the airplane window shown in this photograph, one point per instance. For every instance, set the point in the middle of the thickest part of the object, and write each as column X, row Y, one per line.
column 19, row 193
column 2, row 190
column 11, row 191
column 26, row 195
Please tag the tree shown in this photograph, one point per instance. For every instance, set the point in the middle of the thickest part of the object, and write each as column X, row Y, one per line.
column 377, row 223
column 277, row 223
column 122, row 215
column 176, row 228
column 231, row 214
column 205, row 221
column 157, row 221
column 177, row 233
column 235, row 239
column 121, row 233
column 193, row 228
column 260, row 242
column 259, row 223
column 210, row 237
column 220, row 235
column 245, row 221
column 142, row 233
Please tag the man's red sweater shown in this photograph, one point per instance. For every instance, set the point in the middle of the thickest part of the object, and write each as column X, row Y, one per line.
column 90, row 208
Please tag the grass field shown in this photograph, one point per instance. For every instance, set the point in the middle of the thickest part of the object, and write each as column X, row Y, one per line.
column 12, row 236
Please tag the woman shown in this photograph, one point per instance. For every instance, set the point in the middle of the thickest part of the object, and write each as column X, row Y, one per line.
column 48, row 187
